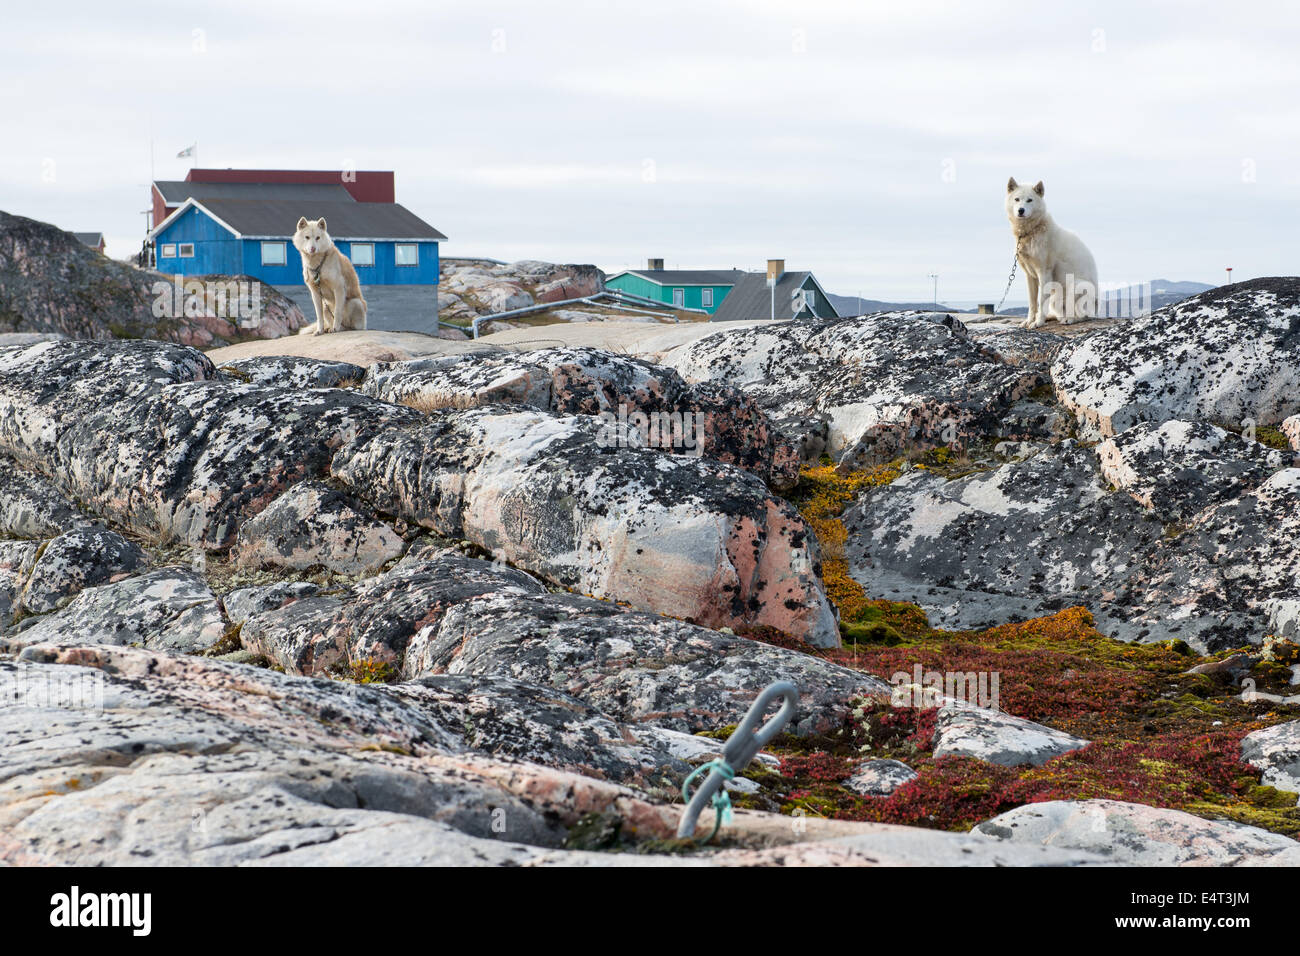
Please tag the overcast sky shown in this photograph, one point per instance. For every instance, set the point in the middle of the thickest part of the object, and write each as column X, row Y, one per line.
column 869, row 142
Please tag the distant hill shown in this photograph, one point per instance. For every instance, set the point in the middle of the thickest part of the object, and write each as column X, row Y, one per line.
column 852, row 305
column 1120, row 302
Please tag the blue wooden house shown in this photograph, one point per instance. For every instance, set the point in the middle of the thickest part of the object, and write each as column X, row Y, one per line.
column 247, row 229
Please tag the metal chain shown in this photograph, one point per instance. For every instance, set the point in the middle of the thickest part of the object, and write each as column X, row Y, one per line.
column 1015, row 261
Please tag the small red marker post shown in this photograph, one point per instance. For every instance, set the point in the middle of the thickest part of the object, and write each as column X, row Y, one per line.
column 1229, row 275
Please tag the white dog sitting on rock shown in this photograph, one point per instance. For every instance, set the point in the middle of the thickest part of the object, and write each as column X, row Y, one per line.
column 330, row 278
column 1059, row 269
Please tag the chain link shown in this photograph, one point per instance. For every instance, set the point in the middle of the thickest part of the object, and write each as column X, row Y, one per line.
column 1015, row 261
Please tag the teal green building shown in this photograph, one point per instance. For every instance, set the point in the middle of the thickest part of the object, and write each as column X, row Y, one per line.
column 729, row 294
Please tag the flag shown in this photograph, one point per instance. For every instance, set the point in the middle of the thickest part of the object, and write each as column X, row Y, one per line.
column 188, row 151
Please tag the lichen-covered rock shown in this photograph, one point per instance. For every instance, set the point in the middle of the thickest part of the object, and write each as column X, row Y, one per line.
column 1291, row 428
column 1023, row 540
column 634, row 666
column 388, row 618
column 966, row 731
column 1131, row 834
column 243, row 603
column 1019, row 346
column 16, row 560
column 166, row 609
column 119, row 756
column 885, row 383
column 671, row 534
column 1178, row 468
column 1276, row 751
column 178, row 759
column 76, row 560
column 709, row 419
column 47, row 388
column 1230, row 355
column 477, row 287
column 294, row 370
column 884, row 845
column 313, row 525
column 1283, row 617
column 1229, row 574
column 140, row 433
column 31, row 507
column 1030, row 419
column 1033, row 537
column 505, row 717
column 52, row 283
column 879, row 778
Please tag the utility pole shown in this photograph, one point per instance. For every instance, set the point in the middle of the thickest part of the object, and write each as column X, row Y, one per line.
column 935, row 277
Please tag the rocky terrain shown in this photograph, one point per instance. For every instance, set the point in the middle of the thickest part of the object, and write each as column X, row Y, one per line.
column 470, row 288
column 492, row 607
column 51, row 284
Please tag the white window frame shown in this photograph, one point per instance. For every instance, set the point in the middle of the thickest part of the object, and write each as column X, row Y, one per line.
column 181, row 247
column 167, row 250
column 679, row 298
column 284, row 253
column 397, row 246
column 809, row 298
column 706, row 298
column 370, row 249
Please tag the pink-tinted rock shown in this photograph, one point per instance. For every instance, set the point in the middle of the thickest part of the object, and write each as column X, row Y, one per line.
column 676, row 535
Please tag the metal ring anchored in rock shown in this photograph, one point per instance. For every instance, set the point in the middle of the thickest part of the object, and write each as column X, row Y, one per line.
column 739, row 750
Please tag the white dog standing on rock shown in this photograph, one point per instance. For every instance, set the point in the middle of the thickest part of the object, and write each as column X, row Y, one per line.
column 333, row 283
column 1060, row 270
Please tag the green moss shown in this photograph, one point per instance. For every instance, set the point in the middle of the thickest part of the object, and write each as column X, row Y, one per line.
column 1272, row 437
column 873, row 632
column 235, row 373
column 228, row 643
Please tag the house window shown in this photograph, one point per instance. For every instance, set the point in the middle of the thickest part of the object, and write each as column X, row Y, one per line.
column 810, row 299
column 406, row 254
column 679, row 298
column 363, row 254
column 706, row 297
column 273, row 254
column 168, row 251
column 187, row 250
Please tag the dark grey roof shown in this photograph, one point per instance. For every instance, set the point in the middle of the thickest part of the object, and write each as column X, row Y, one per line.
column 92, row 239
column 344, row 220
column 690, row 276
column 752, row 299
column 175, row 192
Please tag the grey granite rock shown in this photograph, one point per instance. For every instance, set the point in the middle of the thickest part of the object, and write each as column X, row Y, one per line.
column 990, row 735
column 1230, row 355
column 314, row 525
column 1131, row 834
column 879, row 778
column 169, row 608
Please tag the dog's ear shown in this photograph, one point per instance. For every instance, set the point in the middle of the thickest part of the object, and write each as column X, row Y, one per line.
column 1039, row 188
column 1011, row 184
column 321, row 222
column 302, row 221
